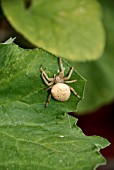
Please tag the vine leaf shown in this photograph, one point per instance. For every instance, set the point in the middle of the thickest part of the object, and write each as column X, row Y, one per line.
column 32, row 136
column 70, row 29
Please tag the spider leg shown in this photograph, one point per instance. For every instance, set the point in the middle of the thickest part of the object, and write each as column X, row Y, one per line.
column 61, row 64
column 46, row 82
column 61, row 74
column 70, row 81
column 49, row 88
column 69, row 75
column 48, row 100
column 74, row 92
column 46, row 76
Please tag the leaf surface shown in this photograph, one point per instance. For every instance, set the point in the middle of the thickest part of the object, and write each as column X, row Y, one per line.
column 100, row 84
column 32, row 136
column 70, row 29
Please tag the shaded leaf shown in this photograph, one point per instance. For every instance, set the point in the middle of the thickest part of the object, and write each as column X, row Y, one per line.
column 71, row 29
column 99, row 74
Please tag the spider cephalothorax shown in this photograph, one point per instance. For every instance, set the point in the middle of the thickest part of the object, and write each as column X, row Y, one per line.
column 58, row 84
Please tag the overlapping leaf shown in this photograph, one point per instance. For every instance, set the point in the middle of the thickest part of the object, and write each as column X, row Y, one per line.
column 100, row 85
column 70, row 29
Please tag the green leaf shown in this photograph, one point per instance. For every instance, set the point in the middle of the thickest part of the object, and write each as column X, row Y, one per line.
column 30, row 143
column 71, row 29
column 32, row 136
column 21, row 77
column 99, row 74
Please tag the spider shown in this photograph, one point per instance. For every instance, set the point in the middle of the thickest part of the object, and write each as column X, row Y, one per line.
column 58, row 84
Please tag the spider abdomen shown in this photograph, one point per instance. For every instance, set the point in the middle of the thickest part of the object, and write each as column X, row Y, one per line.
column 61, row 92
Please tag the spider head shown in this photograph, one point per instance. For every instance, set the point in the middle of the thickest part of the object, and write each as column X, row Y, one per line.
column 58, row 79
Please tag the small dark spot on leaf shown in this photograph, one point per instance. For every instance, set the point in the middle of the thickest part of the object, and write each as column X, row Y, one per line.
column 27, row 3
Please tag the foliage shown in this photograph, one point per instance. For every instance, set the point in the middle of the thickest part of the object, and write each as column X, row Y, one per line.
column 84, row 46
column 63, row 28
column 35, row 137
column 100, row 84
column 32, row 136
